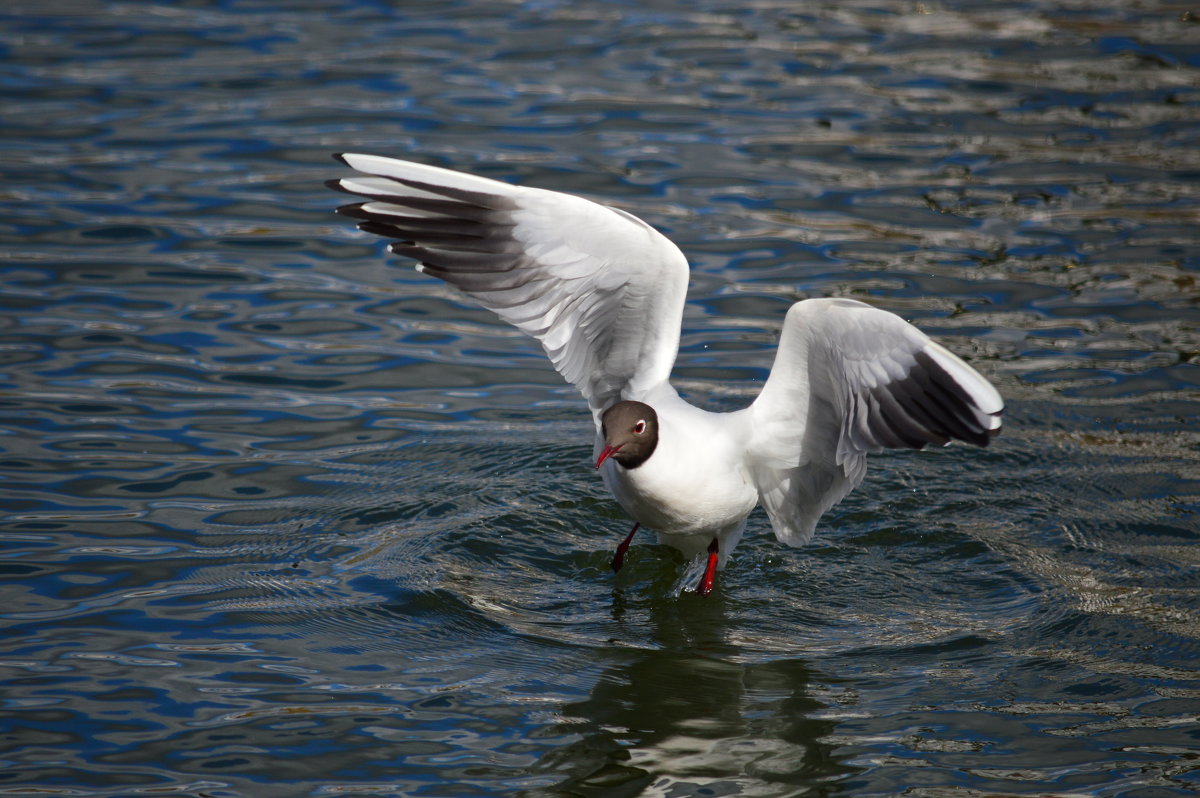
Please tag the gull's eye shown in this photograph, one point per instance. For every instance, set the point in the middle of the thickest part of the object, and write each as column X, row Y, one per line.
column 639, row 428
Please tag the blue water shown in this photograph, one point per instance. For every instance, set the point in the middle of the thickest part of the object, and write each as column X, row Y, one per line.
column 282, row 517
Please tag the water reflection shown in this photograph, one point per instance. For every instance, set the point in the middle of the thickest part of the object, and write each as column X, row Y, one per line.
column 280, row 518
column 689, row 718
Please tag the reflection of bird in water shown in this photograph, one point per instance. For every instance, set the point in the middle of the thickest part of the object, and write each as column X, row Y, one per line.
column 604, row 292
column 689, row 719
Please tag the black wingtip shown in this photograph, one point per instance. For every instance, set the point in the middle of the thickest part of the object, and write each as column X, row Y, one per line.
column 340, row 157
column 381, row 229
column 336, row 185
column 994, row 432
column 354, row 211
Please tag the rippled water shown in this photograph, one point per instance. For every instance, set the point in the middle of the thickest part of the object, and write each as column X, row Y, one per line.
column 282, row 518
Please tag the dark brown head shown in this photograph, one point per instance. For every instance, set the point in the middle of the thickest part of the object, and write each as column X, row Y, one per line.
column 630, row 431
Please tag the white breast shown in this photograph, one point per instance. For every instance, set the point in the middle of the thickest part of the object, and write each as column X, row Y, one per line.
column 696, row 482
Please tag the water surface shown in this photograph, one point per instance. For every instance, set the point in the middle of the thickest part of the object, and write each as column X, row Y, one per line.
column 281, row 517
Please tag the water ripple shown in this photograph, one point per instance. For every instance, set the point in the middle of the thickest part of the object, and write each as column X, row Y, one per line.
column 279, row 517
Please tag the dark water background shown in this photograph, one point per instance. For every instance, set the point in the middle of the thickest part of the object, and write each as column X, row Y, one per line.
column 281, row 518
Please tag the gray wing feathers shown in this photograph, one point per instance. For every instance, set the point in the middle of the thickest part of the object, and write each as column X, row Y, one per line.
column 600, row 289
column 850, row 380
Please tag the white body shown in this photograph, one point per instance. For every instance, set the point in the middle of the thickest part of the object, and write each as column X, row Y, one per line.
column 698, row 484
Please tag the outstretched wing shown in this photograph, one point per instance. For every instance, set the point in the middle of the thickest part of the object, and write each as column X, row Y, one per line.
column 849, row 380
column 599, row 288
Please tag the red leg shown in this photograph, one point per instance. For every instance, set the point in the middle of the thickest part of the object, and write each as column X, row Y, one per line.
column 710, row 571
column 619, row 558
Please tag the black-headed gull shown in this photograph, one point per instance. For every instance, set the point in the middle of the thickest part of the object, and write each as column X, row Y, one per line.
column 603, row 292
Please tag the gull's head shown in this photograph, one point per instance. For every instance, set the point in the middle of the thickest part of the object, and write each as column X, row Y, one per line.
column 630, row 431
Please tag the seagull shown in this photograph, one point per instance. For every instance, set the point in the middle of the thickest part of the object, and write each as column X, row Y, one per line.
column 603, row 292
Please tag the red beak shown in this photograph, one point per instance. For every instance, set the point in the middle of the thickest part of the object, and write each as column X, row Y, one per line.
column 608, row 452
